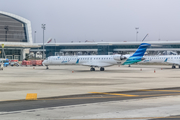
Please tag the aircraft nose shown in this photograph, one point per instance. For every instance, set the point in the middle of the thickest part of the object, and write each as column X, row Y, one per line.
column 44, row 62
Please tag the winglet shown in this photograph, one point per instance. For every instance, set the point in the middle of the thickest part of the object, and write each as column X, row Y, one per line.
column 166, row 60
column 77, row 61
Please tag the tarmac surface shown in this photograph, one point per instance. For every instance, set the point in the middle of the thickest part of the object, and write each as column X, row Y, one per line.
column 75, row 92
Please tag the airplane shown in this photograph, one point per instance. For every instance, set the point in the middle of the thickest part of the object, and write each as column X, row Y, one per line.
column 171, row 59
column 98, row 60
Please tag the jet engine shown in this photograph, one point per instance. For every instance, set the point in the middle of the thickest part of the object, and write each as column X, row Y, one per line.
column 143, row 58
column 119, row 57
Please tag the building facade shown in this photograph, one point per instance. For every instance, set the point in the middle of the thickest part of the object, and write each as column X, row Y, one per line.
column 107, row 48
column 15, row 36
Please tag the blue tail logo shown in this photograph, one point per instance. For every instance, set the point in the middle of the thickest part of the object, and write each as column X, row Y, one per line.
column 141, row 50
column 137, row 56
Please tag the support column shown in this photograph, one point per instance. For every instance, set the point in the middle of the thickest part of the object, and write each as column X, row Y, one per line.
column 23, row 53
column 35, row 54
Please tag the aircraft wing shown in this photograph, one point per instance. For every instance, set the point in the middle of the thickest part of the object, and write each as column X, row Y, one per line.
column 172, row 61
column 97, row 64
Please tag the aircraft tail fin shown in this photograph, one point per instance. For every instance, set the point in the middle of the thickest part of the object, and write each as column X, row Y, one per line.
column 49, row 40
column 138, row 55
column 141, row 50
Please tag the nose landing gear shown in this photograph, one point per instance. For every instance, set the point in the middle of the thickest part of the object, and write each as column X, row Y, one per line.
column 47, row 67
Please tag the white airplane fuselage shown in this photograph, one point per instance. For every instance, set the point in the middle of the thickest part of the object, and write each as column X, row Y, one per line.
column 93, row 61
column 98, row 60
column 170, row 59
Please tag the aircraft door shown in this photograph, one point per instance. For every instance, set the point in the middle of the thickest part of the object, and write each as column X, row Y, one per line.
column 50, row 60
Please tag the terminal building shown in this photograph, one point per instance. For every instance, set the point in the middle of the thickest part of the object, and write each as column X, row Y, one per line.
column 108, row 48
column 16, row 37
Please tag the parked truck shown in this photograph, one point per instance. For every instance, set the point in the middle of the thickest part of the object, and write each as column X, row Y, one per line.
column 4, row 61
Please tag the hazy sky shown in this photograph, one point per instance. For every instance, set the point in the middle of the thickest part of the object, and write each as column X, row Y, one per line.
column 107, row 20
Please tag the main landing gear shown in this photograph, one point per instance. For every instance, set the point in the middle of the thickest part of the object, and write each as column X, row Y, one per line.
column 47, row 67
column 92, row 69
column 129, row 66
column 173, row 66
column 101, row 69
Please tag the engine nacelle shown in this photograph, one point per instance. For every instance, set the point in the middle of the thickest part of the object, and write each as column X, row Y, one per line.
column 119, row 57
column 143, row 58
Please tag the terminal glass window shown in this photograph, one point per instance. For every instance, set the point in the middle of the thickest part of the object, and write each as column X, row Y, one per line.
column 12, row 30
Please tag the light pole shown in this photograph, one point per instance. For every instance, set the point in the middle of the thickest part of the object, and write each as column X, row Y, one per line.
column 136, row 33
column 34, row 36
column 43, row 27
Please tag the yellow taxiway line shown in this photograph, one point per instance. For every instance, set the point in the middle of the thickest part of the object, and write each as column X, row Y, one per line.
column 115, row 95
column 162, row 90
column 127, row 95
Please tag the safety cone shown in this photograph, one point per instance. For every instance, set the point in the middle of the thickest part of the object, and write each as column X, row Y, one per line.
column 33, row 67
column 141, row 69
column 72, row 71
column 154, row 71
column 161, row 68
column 118, row 65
